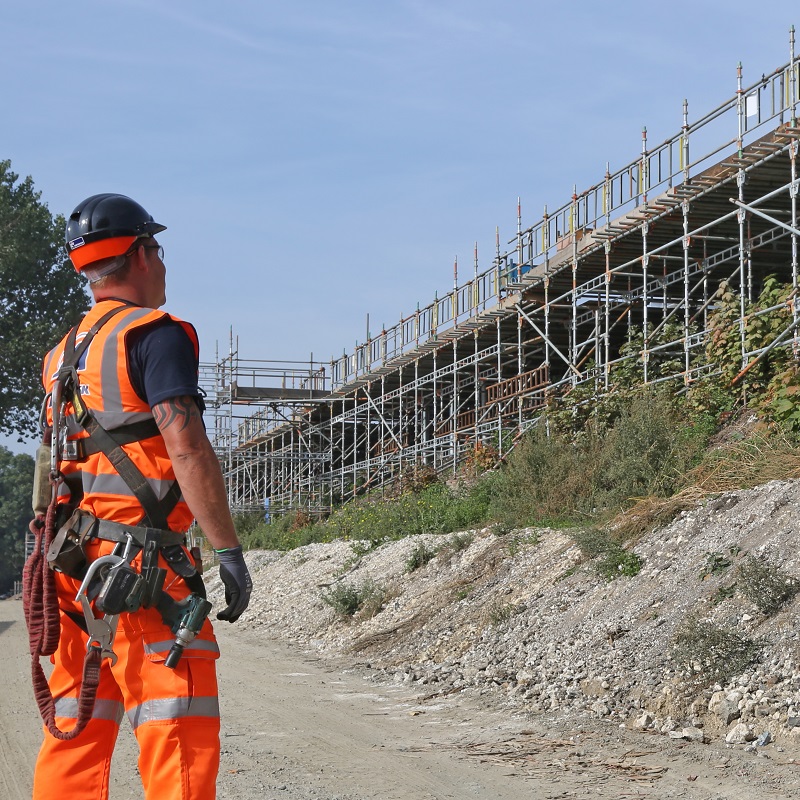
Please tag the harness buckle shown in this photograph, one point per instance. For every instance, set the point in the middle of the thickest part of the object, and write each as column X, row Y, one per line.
column 73, row 450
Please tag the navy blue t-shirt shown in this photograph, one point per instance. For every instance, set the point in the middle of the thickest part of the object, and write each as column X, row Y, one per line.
column 162, row 363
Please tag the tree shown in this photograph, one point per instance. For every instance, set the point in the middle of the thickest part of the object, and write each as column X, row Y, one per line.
column 16, row 485
column 41, row 297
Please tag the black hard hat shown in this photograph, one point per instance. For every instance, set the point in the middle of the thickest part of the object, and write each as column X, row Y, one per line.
column 104, row 226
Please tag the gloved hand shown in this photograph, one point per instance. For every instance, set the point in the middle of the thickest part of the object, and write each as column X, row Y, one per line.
column 238, row 584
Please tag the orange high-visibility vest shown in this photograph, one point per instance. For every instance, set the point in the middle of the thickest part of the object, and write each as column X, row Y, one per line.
column 107, row 391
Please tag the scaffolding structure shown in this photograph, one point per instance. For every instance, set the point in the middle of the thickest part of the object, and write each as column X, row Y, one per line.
column 647, row 247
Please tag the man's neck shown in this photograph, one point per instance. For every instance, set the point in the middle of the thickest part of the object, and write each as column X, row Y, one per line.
column 124, row 293
column 115, row 299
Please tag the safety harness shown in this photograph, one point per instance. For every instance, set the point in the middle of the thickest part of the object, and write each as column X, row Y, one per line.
column 62, row 531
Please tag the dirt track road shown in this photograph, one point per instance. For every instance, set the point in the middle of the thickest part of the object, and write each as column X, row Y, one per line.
column 298, row 728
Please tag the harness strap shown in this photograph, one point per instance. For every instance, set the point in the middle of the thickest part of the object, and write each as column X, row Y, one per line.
column 180, row 563
column 116, row 532
column 100, row 440
column 154, row 516
column 72, row 355
column 79, row 449
column 85, row 447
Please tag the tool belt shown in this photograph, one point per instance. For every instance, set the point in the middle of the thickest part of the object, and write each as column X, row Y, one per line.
column 67, row 552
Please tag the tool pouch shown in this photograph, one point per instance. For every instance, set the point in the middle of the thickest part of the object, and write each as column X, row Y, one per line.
column 66, row 553
column 197, row 557
column 122, row 590
column 153, row 575
column 182, row 562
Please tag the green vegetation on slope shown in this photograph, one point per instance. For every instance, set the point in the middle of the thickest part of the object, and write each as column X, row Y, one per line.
column 632, row 453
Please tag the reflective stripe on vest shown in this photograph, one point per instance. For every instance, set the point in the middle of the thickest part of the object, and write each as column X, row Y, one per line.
column 173, row 708
column 113, row 484
column 111, row 710
column 107, row 390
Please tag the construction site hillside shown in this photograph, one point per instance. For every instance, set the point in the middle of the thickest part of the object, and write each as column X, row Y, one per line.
column 637, row 257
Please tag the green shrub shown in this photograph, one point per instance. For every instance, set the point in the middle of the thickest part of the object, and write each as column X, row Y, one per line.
column 544, row 481
column 765, row 585
column 642, row 449
column 647, row 451
column 717, row 653
column 592, row 541
column 346, row 599
column 459, row 542
column 610, row 559
column 618, row 562
column 772, row 385
column 359, row 550
column 456, row 543
column 716, row 563
column 724, row 593
column 499, row 612
column 419, row 557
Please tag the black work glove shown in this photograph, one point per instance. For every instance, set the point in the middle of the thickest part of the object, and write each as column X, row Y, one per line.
column 238, row 584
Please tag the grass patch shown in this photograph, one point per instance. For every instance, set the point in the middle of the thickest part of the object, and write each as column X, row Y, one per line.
column 651, row 513
column 434, row 509
column 517, row 543
column 499, row 612
column 760, row 457
column 631, row 466
column 618, row 562
column 455, row 544
column 609, row 558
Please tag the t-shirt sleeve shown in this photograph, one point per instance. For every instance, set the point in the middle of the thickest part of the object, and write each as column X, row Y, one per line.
column 163, row 363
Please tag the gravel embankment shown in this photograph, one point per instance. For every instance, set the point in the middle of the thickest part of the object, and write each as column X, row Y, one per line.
column 525, row 620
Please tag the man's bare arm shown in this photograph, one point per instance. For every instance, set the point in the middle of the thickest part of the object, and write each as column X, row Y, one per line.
column 196, row 468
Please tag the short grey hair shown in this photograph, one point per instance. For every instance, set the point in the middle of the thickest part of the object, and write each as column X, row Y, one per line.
column 106, row 266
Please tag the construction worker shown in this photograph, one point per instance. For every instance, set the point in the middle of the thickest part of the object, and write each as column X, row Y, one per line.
column 135, row 467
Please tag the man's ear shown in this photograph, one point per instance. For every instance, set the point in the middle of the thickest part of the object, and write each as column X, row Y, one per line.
column 139, row 260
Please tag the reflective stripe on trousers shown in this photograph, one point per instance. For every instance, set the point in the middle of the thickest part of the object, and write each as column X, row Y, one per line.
column 67, row 707
column 173, row 708
column 163, row 647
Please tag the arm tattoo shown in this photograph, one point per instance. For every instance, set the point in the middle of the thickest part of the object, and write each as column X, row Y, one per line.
column 180, row 410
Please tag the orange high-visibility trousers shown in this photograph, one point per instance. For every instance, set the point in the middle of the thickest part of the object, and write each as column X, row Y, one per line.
column 174, row 713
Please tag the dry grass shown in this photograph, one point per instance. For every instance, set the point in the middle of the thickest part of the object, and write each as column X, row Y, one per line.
column 650, row 513
column 736, row 464
column 758, row 459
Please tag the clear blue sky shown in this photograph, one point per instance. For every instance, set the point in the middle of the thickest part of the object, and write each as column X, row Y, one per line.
column 319, row 160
